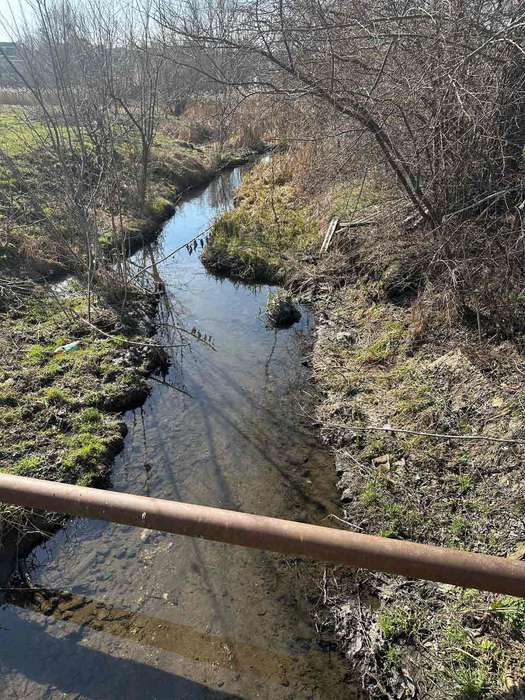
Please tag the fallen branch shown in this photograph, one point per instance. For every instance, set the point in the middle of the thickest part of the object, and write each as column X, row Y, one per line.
column 173, row 252
column 127, row 341
column 356, row 224
column 444, row 436
column 329, row 235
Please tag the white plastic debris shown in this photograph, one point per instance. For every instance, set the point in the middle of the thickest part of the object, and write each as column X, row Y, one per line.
column 68, row 347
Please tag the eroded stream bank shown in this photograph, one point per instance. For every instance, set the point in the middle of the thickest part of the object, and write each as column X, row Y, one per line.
column 142, row 614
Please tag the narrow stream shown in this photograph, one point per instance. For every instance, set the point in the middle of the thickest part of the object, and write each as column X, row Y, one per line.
column 139, row 614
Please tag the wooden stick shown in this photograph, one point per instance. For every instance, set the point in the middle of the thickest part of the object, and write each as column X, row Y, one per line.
column 329, row 235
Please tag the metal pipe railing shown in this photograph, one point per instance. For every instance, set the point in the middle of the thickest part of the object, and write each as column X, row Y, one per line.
column 481, row 571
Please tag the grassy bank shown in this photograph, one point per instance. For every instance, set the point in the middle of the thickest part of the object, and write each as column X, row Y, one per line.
column 268, row 233
column 385, row 354
column 60, row 409
column 376, row 366
column 36, row 237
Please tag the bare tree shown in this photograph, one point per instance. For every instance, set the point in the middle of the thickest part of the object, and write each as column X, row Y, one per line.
column 134, row 86
column 65, row 64
column 436, row 86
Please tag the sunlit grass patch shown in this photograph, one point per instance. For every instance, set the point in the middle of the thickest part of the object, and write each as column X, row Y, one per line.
column 18, row 135
column 352, row 199
column 266, row 230
column 57, row 415
column 376, row 371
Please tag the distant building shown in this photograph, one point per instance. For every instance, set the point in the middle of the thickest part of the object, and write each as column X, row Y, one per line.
column 8, row 55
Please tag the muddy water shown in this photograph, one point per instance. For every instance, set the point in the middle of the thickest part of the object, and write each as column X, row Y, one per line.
column 135, row 614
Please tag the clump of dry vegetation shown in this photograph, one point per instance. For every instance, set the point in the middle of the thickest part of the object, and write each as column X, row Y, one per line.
column 429, row 99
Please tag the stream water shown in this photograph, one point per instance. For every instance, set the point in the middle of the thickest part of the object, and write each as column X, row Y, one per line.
column 127, row 613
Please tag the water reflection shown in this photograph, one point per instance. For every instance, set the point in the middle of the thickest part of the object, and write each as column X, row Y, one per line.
column 221, row 191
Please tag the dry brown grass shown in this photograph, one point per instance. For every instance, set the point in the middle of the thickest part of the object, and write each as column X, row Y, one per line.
column 16, row 97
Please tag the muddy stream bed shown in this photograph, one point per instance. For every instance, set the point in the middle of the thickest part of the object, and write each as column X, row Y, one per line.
column 126, row 613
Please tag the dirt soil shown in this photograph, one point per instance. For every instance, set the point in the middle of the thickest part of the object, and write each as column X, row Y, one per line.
column 377, row 366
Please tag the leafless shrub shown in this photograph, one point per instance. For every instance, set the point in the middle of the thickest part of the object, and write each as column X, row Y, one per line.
column 432, row 93
column 91, row 87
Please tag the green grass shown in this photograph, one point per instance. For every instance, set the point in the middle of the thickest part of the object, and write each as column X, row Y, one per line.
column 56, row 395
column 429, row 490
column 350, row 198
column 31, row 189
column 269, row 227
column 472, row 683
column 512, row 612
column 18, row 135
column 384, row 346
column 28, row 465
column 61, row 403
column 64, row 405
column 395, row 622
column 84, row 449
column 370, row 496
column 159, row 207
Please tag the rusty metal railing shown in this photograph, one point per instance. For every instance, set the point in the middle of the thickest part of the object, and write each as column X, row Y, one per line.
column 489, row 573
